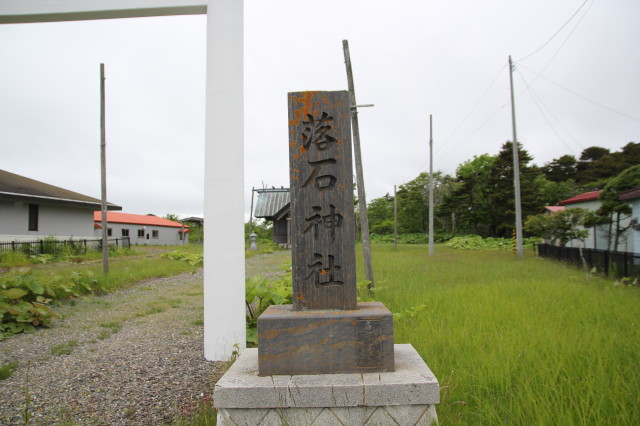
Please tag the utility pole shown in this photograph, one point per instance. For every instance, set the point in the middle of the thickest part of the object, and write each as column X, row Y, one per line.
column 362, row 200
column 431, row 206
column 251, row 213
column 395, row 218
column 516, row 167
column 103, row 176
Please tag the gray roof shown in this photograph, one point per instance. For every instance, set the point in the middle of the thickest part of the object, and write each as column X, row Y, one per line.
column 19, row 188
column 270, row 202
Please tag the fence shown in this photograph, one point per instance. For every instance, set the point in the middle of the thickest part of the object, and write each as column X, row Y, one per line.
column 53, row 246
column 615, row 263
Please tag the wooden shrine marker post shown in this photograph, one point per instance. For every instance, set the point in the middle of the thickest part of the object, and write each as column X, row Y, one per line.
column 323, row 231
column 325, row 330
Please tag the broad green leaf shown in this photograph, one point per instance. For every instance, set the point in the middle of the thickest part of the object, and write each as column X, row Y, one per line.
column 14, row 293
column 36, row 287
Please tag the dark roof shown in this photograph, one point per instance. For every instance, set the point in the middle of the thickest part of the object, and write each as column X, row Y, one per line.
column 271, row 202
column 630, row 194
column 19, row 188
column 587, row 196
column 192, row 219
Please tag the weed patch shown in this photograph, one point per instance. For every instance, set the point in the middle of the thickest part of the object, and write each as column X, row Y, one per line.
column 6, row 370
column 150, row 311
column 64, row 348
column 114, row 326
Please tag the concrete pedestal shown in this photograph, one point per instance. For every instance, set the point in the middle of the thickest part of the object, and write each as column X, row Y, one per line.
column 406, row 396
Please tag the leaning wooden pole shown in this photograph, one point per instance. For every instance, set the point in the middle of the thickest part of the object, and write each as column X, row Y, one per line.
column 103, row 176
column 362, row 200
column 395, row 218
column 516, row 167
column 431, row 203
column 253, row 190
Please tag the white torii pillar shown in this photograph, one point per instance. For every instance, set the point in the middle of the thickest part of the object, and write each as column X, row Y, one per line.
column 224, row 308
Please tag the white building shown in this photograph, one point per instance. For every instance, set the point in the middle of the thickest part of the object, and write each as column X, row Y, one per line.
column 32, row 210
column 598, row 236
column 633, row 196
column 142, row 229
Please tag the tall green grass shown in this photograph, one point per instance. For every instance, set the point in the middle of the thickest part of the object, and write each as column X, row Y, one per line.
column 516, row 341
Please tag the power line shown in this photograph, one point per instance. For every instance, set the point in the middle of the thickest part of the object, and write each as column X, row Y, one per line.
column 582, row 96
column 537, row 104
column 476, row 129
column 556, row 33
column 464, row 120
column 476, row 104
column 566, row 39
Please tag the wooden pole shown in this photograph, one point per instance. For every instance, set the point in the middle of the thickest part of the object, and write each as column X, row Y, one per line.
column 431, row 204
column 251, row 212
column 395, row 218
column 516, row 167
column 362, row 199
column 103, row 175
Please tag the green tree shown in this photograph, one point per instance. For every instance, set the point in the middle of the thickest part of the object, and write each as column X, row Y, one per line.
column 561, row 169
column 172, row 216
column 380, row 210
column 597, row 164
column 467, row 202
column 553, row 192
column 559, row 228
column 501, row 191
column 413, row 202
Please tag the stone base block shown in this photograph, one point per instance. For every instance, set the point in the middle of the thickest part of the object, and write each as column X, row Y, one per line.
column 325, row 341
column 406, row 396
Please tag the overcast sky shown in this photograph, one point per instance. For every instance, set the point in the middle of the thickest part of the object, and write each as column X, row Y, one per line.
column 576, row 86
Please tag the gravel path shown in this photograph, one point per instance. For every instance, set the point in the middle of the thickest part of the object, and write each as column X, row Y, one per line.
column 136, row 356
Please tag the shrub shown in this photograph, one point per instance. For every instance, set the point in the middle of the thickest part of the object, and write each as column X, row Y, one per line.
column 476, row 242
column 25, row 300
column 192, row 259
column 261, row 293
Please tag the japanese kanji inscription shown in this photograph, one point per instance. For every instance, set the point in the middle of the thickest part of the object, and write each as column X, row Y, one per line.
column 323, row 222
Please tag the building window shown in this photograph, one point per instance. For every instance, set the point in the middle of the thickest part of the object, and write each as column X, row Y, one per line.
column 125, row 232
column 109, row 232
column 33, row 217
column 141, row 233
column 155, row 234
column 180, row 234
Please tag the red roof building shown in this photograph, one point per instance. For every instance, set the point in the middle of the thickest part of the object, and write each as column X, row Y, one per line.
column 587, row 196
column 143, row 229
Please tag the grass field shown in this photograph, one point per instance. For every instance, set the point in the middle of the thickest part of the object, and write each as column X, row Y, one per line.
column 516, row 341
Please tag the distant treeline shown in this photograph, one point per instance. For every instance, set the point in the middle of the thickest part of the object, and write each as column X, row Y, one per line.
column 479, row 198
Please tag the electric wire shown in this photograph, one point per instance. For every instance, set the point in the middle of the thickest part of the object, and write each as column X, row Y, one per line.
column 582, row 96
column 464, row 120
column 557, row 32
column 452, row 148
column 474, row 131
column 563, row 43
column 537, row 104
